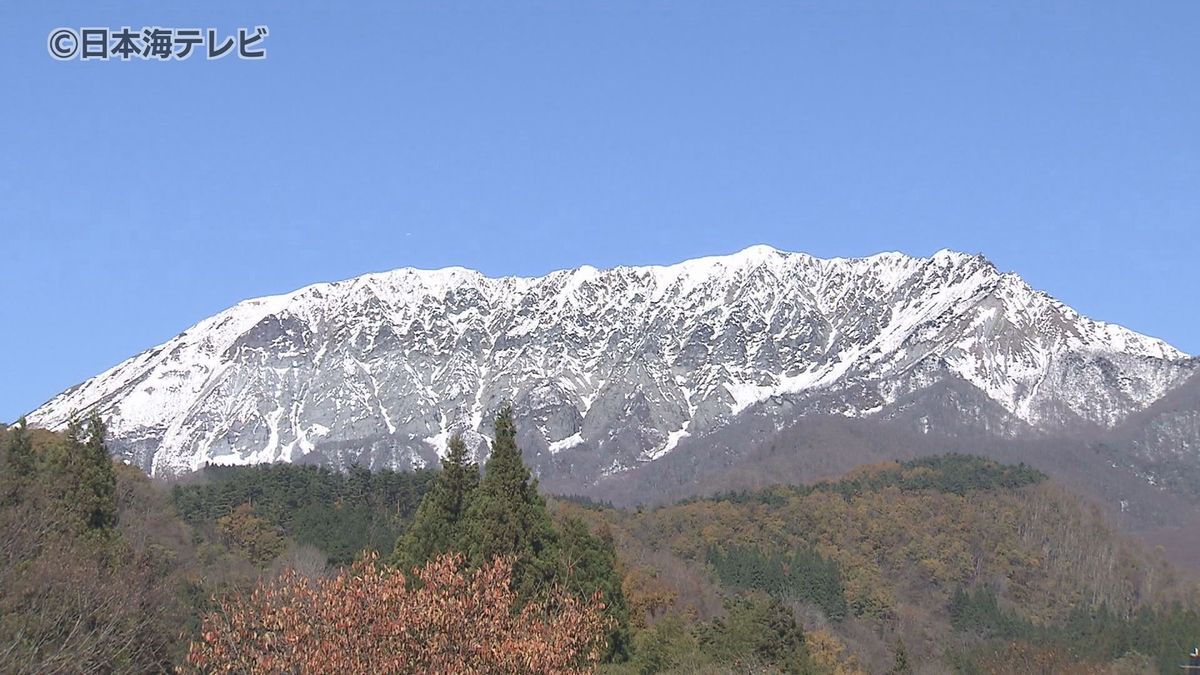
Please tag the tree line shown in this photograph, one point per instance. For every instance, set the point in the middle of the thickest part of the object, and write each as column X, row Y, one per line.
column 299, row 568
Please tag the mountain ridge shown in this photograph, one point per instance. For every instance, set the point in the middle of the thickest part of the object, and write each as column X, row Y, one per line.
column 612, row 367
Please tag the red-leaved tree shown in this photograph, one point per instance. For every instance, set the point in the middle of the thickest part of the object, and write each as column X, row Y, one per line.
column 367, row 619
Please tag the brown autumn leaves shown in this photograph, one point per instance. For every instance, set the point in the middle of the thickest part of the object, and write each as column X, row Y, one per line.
column 371, row 619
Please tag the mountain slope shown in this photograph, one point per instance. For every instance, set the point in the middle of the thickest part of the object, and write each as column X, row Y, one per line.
column 906, row 541
column 609, row 369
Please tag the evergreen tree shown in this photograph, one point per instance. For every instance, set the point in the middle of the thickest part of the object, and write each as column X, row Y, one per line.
column 507, row 516
column 82, row 474
column 900, row 665
column 588, row 564
column 438, row 524
column 19, row 450
column 99, row 475
column 758, row 631
column 804, row 575
column 339, row 513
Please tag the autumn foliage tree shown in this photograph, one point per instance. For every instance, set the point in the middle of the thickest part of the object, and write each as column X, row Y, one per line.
column 370, row 619
column 257, row 539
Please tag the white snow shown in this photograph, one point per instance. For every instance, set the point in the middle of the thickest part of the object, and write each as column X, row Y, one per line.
column 390, row 352
column 566, row 443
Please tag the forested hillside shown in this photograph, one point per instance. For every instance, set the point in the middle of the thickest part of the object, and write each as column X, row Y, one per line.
column 97, row 573
column 263, row 507
column 962, row 562
column 940, row 564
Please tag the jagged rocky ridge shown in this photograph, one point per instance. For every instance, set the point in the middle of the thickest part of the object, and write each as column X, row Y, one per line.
column 610, row 369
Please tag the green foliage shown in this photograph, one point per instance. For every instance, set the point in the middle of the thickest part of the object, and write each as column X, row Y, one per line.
column 900, row 664
column 1164, row 634
column 586, row 502
column 341, row 532
column 588, row 565
column 18, row 450
column 507, row 516
column 1097, row 635
column 757, row 632
column 340, row 514
column 951, row 473
column 979, row 612
column 80, row 472
column 502, row 514
column 668, row 645
column 439, row 524
column 803, row 575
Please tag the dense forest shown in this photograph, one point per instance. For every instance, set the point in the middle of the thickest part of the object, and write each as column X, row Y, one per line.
column 956, row 563
column 942, row 564
column 339, row 514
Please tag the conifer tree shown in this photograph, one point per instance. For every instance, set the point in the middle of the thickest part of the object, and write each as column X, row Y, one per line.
column 19, row 450
column 588, row 565
column 758, row 630
column 900, row 664
column 438, row 524
column 99, row 475
column 82, row 474
column 507, row 516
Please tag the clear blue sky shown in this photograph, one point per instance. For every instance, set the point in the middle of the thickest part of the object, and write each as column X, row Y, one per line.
column 1059, row 139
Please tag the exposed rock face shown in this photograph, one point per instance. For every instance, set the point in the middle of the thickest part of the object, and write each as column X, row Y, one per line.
column 611, row 369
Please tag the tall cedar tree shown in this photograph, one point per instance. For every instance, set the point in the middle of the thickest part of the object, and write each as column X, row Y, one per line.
column 438, row 525
column 84, row 474
column 507, row 516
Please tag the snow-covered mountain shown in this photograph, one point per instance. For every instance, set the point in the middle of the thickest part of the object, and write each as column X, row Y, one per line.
column 608, row 369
